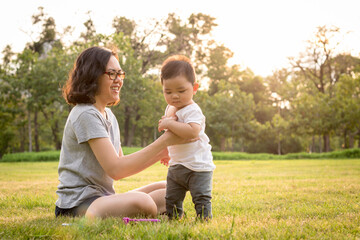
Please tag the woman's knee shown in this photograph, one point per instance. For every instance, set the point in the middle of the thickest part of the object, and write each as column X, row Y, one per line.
column 162, row 185
column 130, row 204
column 146, row 204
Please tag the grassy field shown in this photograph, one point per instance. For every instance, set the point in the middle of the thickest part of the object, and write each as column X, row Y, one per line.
column 273, row 199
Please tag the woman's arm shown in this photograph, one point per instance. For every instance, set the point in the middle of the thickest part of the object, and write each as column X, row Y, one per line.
column 119, row 166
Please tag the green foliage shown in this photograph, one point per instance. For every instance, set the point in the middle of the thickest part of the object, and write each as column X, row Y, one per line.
column 142, row 102
column 283, row 113
column 47, row 155
column 345, row 154
column 31, row 156
column 54, row 155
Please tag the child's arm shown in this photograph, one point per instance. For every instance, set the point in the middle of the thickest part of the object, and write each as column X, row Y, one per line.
column 183, row 130
column 169, row 114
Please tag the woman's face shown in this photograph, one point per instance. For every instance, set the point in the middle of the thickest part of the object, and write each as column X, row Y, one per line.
column 109, row 90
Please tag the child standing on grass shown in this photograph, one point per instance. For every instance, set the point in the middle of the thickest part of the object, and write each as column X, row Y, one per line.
column 191, row 165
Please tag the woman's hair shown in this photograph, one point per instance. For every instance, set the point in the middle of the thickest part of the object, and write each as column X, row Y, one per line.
column 82, row 85
column 178, row 65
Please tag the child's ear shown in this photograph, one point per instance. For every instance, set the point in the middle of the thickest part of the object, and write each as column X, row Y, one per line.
column 195, row 87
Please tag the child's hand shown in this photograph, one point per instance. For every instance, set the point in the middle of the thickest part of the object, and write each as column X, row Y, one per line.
column 171, row 111
column 164, row 122
column 165, row 161
column 164, row 157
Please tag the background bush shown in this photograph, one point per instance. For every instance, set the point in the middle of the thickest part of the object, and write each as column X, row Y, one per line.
column 54, row 155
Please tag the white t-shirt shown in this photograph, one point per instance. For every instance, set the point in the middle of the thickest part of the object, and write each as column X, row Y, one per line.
column 195, row 155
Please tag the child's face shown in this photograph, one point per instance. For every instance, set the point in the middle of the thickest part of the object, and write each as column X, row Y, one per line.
column 178, row 91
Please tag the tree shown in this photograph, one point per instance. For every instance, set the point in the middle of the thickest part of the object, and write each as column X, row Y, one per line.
column 124, row 25
column 90, row 31
column 52, row 73
column 143, row 50
column 282, row 87
column 217, row 69
column 161, row 39
column 24, row 73
column 8, row 106
column 229, row 110
column 279, row 127
column 140, row 96
column 47, row 35
column 347, row 103
column 229, row 114
column 35, row 81
column 144, row 42
column 320, row 70
column 190, row 37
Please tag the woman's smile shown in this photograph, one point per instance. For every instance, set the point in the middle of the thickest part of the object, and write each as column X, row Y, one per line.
column 116, row 89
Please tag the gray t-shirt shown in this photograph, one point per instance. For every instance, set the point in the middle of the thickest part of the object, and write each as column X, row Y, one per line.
column 80, row 174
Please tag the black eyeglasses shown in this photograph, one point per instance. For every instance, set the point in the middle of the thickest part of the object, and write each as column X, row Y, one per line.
column 113, row 75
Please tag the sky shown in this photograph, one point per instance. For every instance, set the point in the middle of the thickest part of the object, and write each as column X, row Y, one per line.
column 262, row 34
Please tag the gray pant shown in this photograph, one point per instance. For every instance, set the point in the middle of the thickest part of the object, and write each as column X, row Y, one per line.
column 180, row 180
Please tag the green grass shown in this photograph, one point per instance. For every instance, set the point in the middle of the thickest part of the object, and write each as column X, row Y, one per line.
column 274, row 199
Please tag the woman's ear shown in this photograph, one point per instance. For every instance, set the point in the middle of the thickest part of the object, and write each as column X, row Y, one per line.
column 195, row 87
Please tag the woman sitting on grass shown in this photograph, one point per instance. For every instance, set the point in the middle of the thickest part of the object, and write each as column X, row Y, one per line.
column 91, row 156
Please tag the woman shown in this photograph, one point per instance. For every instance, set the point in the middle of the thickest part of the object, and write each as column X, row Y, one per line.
column 91, row 156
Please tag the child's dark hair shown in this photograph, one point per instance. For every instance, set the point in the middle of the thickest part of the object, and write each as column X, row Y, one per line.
column 177, row 65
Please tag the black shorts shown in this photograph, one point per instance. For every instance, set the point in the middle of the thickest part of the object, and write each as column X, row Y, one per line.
column 77, row 211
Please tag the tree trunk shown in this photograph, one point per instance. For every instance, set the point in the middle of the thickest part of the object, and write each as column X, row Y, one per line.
column 242, row 145
column 54, row 129
column 352, row 139
column 223, row 143
column 155, row 133
column 346, row 143
column 326, row 142
column 131, row 135
column 133, row 129
column 279, row 147
column 126, row 126
column 312, row 146
column 36, row 132
column 22, row 132
column 320, row 150
column 144, row 138
column 29, row 131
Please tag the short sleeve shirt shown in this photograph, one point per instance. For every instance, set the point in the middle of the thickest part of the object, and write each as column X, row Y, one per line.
column 80, row 174
column 196, row 155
